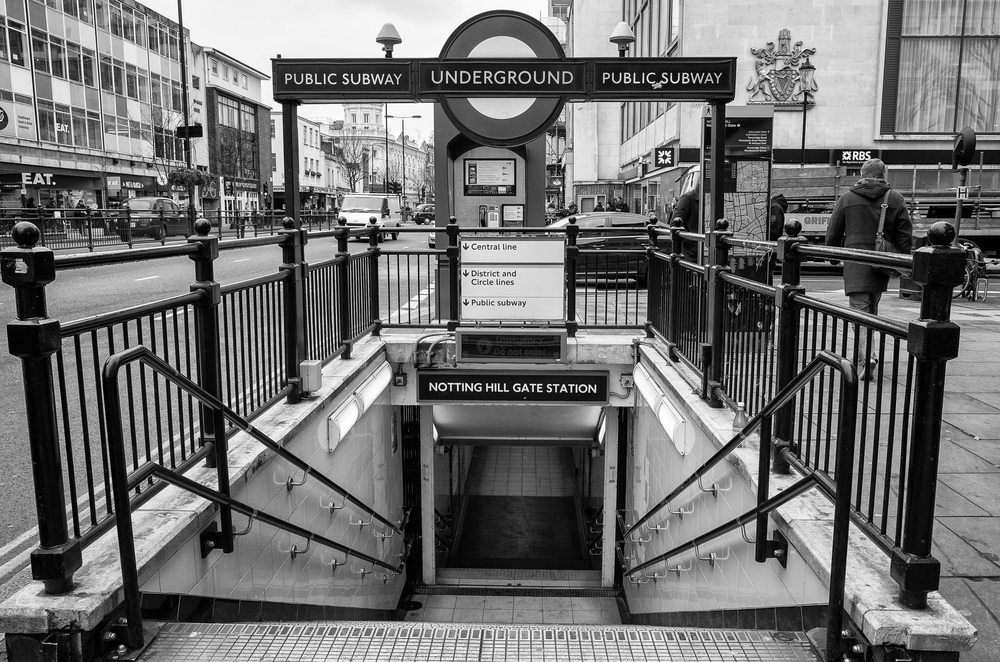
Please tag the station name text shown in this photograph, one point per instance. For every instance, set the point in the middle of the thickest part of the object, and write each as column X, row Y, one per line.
column 516, row 387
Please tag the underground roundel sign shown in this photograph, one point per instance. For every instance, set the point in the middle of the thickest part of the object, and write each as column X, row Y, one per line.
column 506, row 121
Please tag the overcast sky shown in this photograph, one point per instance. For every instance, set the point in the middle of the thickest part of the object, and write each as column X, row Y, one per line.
column 254, row 31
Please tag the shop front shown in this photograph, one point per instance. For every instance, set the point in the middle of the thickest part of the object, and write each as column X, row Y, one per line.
column 60, row 189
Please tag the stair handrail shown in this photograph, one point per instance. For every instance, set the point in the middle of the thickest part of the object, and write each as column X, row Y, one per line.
column 140, row 352
column 838, row 491
column 122, row 482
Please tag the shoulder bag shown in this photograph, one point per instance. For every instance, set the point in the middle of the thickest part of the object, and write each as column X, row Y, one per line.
column 884, row 245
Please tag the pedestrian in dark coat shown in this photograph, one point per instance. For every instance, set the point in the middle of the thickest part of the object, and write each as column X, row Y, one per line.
column 686, row 211
column 854, row 224
column 778, row 208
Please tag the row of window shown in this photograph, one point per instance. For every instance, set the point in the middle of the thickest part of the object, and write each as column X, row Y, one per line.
column 134, row 26
column 65, row 125
column 237, row 115
column 81, row 9
column 237, row 77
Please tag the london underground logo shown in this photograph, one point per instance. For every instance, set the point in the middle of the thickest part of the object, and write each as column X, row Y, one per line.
column 3, row 119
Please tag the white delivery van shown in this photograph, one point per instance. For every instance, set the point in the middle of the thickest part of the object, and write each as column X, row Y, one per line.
column 357, row 208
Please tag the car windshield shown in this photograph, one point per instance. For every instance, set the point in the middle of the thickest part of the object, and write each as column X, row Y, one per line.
column 140, row 204
column 362, row 203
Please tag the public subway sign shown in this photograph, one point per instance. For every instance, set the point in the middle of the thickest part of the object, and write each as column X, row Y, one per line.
column 339, row 80
column 467, row 387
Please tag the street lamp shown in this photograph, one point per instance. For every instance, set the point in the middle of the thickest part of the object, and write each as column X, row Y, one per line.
column 388, row 37
column 402, row 123
column 623, row 37
column 806, row 72
column 187, row 121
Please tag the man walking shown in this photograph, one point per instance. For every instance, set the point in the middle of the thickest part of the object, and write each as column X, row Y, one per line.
column 687, row 212
column 854, row 224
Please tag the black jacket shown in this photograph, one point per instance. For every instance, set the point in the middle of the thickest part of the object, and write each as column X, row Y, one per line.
column 854, row 224
column 778, row 208
column 686, row 210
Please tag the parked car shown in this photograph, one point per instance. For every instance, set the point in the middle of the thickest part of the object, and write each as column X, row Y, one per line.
column 152, row 216
column 606, row 254
column 358, row 208
column 424, row 214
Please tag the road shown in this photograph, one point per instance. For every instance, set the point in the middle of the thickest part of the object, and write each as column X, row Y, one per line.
column 81, row 293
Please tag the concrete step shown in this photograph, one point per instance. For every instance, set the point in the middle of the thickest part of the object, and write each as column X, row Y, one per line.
column 390, row 641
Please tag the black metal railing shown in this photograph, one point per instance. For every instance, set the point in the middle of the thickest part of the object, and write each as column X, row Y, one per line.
column 745, row 340
column 836, row 485
column 124, row 481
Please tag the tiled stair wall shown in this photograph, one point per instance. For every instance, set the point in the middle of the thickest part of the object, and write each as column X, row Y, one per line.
column 262, row 569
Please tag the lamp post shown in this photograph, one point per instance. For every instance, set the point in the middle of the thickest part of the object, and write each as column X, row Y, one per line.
column 402, row 123
column 623, row 37
column 187, row 121
column 806, row 71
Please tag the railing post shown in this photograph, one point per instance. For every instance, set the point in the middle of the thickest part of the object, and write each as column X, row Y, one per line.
column 673, row 315
column 654, row 294
column 34, row 338
column 453, row 252
column 344, row 286
column 293, row 241
column 373, row 246
column 718, row 262
column 933, row 340
column 788, row 336
column 572, row 255
column 209, row 354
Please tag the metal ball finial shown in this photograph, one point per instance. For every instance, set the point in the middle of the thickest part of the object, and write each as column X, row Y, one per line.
column 722, row 224
column 941, row 233
column 793, row 228
column 288, row 223
column 202, row 227
column 25, row 234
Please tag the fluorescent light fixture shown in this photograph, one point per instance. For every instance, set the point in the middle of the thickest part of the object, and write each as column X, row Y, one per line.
column 668, row 416
column 356, row 404
column 602, row 428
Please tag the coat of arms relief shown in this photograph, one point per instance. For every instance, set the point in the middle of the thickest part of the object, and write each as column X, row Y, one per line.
column 783, row 75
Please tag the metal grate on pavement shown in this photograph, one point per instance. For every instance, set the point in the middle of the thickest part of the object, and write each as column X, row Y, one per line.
column 393, row 641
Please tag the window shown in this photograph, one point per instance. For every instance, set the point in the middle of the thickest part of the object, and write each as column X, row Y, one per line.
column 272, row 129
column 40, row 51
column 940, row 66
column 196, row 82
column 17, row 38
column 131, row 82
column 143, row 77
column 236, row 76
column 367, row 121
column 4, row 53
column 274, row 161
column 89, row 63
column 74, row 62
column 215, row 67
column 246, row 82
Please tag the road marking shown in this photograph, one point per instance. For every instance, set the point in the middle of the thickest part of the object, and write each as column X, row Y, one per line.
column 146, row 278
column 246, row 259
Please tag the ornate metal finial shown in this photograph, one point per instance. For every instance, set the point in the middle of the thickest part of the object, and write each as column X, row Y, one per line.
column 941, row 233
column 202, row 227
column 25, row 234
column 793, row 228
column 783, row 75
column 342, row 220
column 288, row 223
column 722, row 224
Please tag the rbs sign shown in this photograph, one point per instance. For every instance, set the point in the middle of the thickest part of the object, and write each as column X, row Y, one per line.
column 851, row 157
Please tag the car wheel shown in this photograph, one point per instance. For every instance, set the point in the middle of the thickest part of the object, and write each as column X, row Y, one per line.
column 159, row 232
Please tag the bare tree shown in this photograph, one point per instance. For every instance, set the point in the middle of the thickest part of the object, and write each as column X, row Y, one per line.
column 157, row 129
column 352, row 155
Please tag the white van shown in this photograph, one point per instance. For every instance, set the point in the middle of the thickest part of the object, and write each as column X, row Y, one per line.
column 357, row 208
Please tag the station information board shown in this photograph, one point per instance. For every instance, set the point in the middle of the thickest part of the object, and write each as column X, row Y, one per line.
column 512, row 279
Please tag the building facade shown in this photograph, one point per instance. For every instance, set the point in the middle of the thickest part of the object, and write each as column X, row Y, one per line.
column 92, row 95
column 895, row 79
column 237, row 145
column 88, row 92
column 356, row 154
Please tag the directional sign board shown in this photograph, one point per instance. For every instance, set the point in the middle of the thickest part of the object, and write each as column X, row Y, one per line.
column 513, row 278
